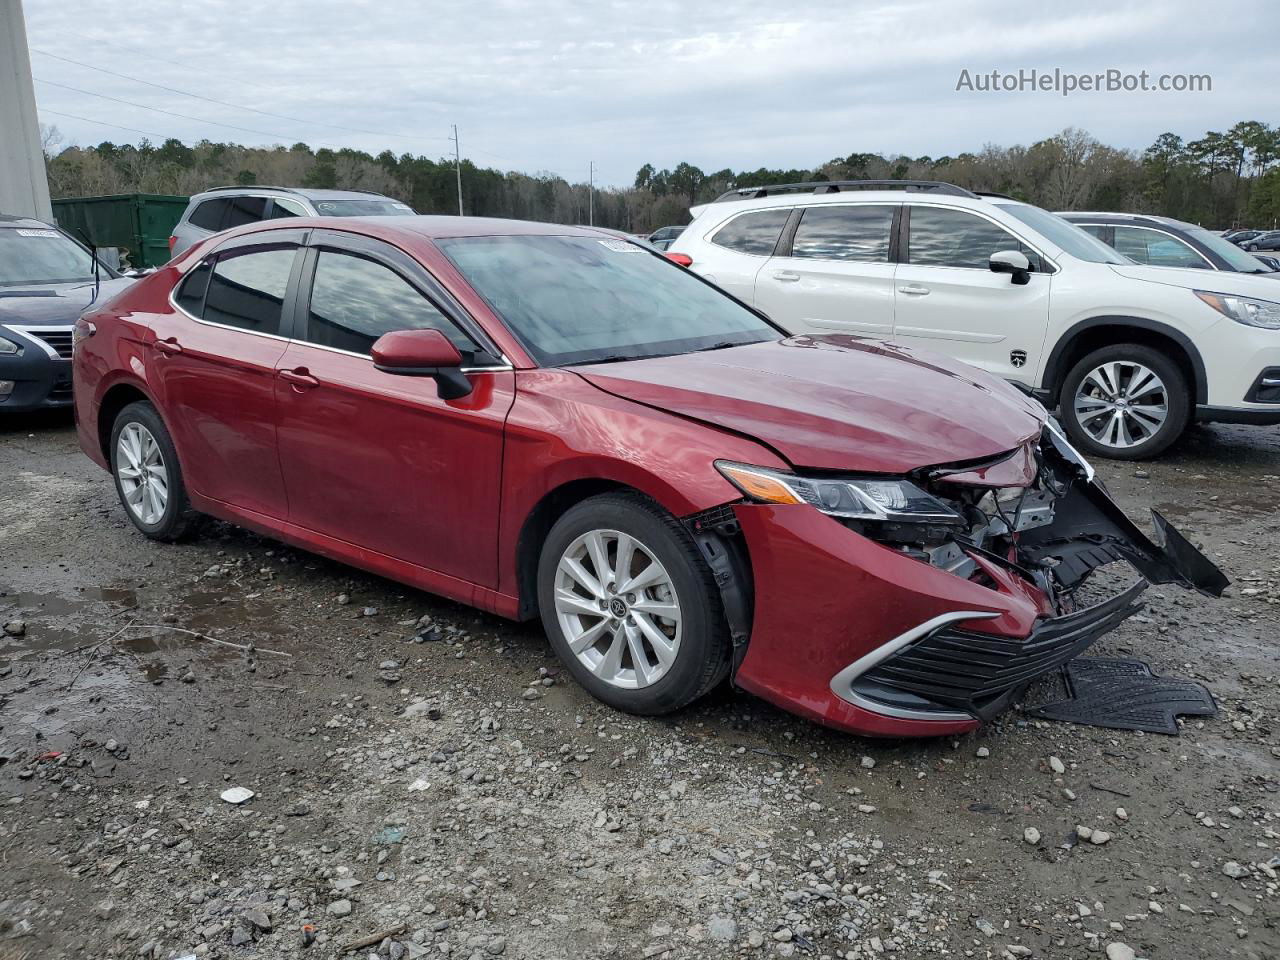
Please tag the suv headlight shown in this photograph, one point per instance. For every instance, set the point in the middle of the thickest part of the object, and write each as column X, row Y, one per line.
column 858, row 498
column 8, row 347
column 1247, row 310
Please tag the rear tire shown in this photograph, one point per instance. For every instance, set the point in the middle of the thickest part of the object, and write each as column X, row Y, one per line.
column 1125, row 401
column 609, row 569
column 144, row 464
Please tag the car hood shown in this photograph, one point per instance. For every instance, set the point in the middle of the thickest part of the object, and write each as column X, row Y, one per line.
column 49, row 304
column 1217, row 281
column 836, row 402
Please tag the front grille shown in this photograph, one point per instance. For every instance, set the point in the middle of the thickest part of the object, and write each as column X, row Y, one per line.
column 980, row 673
column 59, row 340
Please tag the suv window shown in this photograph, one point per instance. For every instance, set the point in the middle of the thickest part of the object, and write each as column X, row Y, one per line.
column 755, row 233
column 245, row 210
column 355, row 301
column 208, row 215
column 281, row 208
column 1155, row 248
column 858, row 233
column 954, row 238
column 247, row 290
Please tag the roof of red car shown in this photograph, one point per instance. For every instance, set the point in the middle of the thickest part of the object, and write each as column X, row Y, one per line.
column 432, row 226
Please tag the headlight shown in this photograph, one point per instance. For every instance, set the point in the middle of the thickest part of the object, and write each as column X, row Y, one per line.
column 876, row 498
column 8, row 347
column 1255, row 313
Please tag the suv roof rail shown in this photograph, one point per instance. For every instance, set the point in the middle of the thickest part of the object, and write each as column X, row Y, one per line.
column 251, row 186
column 992, row 193
column 838, row 186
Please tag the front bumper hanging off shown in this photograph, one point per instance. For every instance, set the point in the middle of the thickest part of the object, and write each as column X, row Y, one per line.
column 858, row 636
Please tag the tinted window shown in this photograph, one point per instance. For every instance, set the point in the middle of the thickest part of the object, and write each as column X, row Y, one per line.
column 373, row 207
column 285, row 208
column 208, row 215
column 844, row 233
column 355, row 301
column 1155, row 248
column 753, row 232
column 247, row 291
column 245, row 210
column 953, row 238
column 190, row 295
column 573, row 299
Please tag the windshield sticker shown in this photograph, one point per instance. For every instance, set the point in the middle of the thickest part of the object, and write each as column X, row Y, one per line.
column 620, row 246
column 38, row 233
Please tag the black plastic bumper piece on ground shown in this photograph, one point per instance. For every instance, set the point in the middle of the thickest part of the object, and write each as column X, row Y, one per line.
column 1126, row 695
column 981, row 674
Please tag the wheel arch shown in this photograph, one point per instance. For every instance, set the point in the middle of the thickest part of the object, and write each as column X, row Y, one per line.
column 116, row 398
column 1088, row 335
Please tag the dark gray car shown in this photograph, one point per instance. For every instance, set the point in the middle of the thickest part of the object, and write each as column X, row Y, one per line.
column 1165, row 242
column 46, row 280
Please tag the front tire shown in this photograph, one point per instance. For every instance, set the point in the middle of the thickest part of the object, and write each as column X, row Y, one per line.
column 144, row 464
column 630, row 606
column 1126, row 401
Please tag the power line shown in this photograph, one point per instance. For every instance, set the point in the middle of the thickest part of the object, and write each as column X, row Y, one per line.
column 171, row 113
column 225, row 103
column 72, row 116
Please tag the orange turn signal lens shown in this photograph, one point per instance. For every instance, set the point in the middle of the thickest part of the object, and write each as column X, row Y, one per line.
column 757, row 485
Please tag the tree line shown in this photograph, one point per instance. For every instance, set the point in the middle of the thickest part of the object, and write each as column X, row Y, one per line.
column 1219, row 180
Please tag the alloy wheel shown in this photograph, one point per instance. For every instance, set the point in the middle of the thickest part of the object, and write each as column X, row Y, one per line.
column 1121, row 403
column 617, row 607
column 140, row 467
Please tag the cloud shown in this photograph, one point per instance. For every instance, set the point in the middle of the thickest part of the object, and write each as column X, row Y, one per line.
column 553, row 84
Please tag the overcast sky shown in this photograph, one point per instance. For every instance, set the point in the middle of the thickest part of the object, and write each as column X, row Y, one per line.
column 548, row 85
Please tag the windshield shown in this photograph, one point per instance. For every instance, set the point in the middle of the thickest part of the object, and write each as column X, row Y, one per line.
column 1236, row 258
column 41, row 255
column 587, row 299
column 373, row 207
column 1073, row 240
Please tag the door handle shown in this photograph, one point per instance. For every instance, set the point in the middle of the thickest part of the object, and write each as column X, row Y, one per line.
column 170, row 346
column 914, row 289
column 786, row 276
column 300, row 377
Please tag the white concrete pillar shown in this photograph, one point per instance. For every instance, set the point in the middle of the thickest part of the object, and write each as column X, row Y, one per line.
column 24, row 186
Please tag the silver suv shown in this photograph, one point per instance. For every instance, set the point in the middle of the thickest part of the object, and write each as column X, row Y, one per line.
column 225, row 207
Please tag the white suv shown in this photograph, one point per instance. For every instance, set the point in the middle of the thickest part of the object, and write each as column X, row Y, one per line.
column 1130, row 354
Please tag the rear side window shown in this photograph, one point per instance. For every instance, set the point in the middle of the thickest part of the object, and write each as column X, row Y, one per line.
column 355, row 301
column 190, row 295
column 208, row 215
column 247, row 290
column 859, row 233
column 953, row 238
column 755, row 233
column 245, row 210
column 285, row 208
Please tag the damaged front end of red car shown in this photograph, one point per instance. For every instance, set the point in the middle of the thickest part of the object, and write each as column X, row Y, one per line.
column 926, row 604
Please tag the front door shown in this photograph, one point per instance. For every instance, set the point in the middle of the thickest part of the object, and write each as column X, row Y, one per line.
column 376, row 459
column 835, row 275
column 214, row 363
column 949, row 300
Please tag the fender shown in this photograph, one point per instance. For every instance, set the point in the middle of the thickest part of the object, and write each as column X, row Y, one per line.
column 1053, row 374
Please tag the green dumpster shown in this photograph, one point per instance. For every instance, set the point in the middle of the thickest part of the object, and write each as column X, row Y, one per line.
column 139, row 223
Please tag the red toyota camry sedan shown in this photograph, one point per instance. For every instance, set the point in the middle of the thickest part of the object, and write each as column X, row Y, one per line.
column 552, row 422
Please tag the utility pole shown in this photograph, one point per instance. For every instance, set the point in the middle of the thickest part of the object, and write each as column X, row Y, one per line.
column 457, row 166
column 591, row 194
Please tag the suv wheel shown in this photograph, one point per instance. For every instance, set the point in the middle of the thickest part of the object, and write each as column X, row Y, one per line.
column 148, row 477
column 630, row 605
column 1126, row 402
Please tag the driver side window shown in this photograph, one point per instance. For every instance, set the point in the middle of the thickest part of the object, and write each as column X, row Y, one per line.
column 953, row 238
column 354, row 301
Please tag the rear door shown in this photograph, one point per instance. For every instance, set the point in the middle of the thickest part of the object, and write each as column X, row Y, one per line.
column 834, row 271
column 948, row 299
column 215, row 363
column 733, row 253
column 376, row 459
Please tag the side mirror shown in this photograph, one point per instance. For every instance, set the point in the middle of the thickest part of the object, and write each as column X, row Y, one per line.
column 423, row 353
column 1011, row 262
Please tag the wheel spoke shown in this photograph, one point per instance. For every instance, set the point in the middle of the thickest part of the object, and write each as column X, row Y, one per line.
column 569, row 602
column 645, row 671
column 599, row 557
column 134, row 496
column 611, row 662
column 650, row 576
column 1142, row 382
column 128, row 472
column 589, row 637
column 663, row 648
column 585, row 580
column 622, row 561
column 657, row 608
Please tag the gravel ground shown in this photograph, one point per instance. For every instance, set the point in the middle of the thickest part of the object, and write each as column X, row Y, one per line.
column 426, row 784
